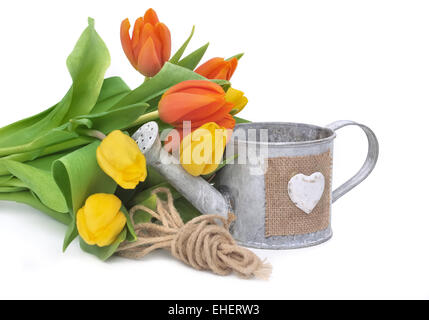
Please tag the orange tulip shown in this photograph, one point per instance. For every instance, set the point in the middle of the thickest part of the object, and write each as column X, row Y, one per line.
column 218, row 68
column 198, row 101
column 228, row 122
column 150, row 46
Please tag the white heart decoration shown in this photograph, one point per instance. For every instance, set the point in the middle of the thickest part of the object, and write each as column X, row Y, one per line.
column 306, row 191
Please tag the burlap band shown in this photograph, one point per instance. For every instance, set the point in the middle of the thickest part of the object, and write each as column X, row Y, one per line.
column 282, row 217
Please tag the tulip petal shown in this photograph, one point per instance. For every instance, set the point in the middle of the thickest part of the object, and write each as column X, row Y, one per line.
column 234, row 96
column 221, row 74
column 126, row 42
column 237, row 98
column 148, row 61
column 137, row 33
column 107, row 167
column 120, row 158
column 83, row 228
column 219, row 137
column 108, row 235
column 232, row 67
column 99, row 211
column 116, row 148
column 191, row 84
column 218, row 68
column 175, row 137
column 151, row 17
column 135, row 172
column 207, row 68
column 148, row 32
column 164, row 36
column 179, row 107
column 228, row 122
column 217, row 116
column 150, row 45
column 199, row 145
column 206, row 146
column 240, row 106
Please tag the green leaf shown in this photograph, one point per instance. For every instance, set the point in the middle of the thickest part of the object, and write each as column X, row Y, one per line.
column 54, row 136
column 12, row 189
column 104, row 253
column 145, row 198
column 30, row 199
column 194, row 58
column 225, row 84
column 176, row 57
column 40, row 181
column 154, row 178
column 241, row 120
column 186, row 209
column 238, row 56
column 5, row 179
column 221, row 165
column 68, row 145
column 77, row 123
column 23, row 139
column 169, row 75
column 11, row 129
column 148, row 200
column 125, row 195
column 87, row 65
column 12, row 183
column 108, row 121
column 112, row 91
column 78, row 176
column 131, row 234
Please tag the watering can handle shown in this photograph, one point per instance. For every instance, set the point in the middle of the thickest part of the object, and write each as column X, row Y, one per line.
column 368, row 166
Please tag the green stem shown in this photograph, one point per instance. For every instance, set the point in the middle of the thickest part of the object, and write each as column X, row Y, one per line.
column 93, row 133
column 151, row 116
column 45, row 151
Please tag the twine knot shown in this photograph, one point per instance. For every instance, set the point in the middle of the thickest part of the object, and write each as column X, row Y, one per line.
column 203, row 243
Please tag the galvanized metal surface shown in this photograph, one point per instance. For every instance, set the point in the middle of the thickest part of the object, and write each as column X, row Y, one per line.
column 242, row 189
column 370, row 162
column 196, row 190
column 248, row 191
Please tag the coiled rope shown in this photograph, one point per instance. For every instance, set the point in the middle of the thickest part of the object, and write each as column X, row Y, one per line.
column 201, row 243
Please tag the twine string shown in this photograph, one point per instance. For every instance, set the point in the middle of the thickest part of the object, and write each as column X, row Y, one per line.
column 203, row 243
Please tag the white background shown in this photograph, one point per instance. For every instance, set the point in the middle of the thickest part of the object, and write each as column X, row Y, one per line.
column 306, row 61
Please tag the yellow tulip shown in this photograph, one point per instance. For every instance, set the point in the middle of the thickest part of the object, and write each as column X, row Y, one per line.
column 237, row 98
column 120, row 158
column 100, row 220
column 202, row 150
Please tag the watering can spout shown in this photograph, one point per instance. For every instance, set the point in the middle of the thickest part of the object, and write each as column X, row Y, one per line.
column 196, row 190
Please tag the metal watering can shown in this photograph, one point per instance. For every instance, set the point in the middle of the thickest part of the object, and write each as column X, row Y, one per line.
column 281, row 197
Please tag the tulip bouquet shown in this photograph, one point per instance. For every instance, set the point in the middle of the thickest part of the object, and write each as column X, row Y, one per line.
column 76, row 161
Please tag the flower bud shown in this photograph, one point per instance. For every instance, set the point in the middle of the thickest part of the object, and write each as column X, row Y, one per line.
column 100, row 221
column 120, row 158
